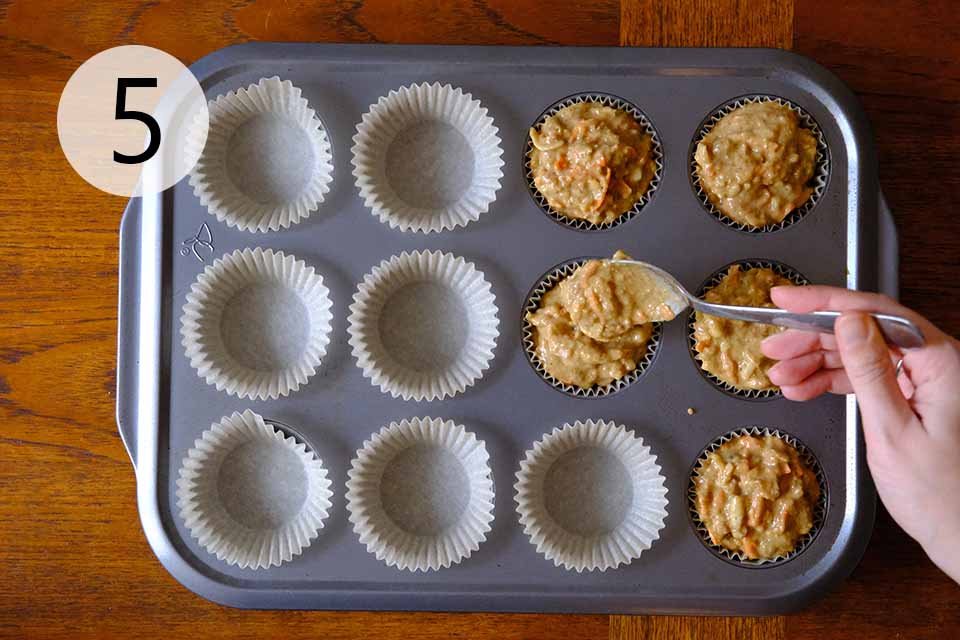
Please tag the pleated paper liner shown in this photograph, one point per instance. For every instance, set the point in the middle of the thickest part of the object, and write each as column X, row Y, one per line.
column 427, row 158
column 423, row 325
column 608, row 100
column 250, row 495
column 545, row 283
column 821, row 173
column 256, row 323
column 420, row 494
column 715, row 278
column 267, row 163
column 819, row 510
column 590, row 496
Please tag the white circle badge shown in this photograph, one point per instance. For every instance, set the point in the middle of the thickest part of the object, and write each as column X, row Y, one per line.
column 124, row 118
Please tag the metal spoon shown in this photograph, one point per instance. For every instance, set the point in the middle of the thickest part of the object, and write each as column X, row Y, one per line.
column 898, row 331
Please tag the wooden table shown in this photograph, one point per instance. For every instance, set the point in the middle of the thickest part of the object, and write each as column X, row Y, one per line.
column 73, row 558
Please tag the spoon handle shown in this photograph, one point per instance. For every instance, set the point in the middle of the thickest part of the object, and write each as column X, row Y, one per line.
column 898, row 331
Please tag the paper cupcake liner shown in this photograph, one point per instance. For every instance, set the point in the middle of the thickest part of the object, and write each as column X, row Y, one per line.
column 571, row 496
column 656, row 152
column 819, row 510
column 420, row 494
column 821, row 172
column 445, row 170
column 256, row 323
column 266, row 163
column 251, row 496
column 545, row 283
column 715, row 278
column 423, row 325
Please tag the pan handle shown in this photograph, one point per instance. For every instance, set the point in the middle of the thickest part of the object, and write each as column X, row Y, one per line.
column 129, row 294
column 888, row 251
column 128, row 322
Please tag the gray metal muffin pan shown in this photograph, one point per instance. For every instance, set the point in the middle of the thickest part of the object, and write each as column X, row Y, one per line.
column 848, row 239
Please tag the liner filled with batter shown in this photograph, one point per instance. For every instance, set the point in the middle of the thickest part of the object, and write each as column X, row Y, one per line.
column 593, row 327
column 758, row 163
column 730, row 349
column 756, row 495
column 592, row 162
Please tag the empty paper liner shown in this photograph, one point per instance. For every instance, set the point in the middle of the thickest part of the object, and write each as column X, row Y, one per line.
column 420, row 494
column 423, row 325
column 427, row 158
column 256, row 323
column 251, row 496
column 590, row 496
column 266, row 163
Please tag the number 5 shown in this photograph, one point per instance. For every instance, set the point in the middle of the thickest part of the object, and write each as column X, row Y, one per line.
column 124, row 114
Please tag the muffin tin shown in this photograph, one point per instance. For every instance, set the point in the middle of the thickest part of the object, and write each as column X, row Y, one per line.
column 846, row 239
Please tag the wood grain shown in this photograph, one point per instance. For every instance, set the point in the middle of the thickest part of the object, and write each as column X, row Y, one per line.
column 693, row 628
column 707, row 23
column 903, row 61
column 73, row 559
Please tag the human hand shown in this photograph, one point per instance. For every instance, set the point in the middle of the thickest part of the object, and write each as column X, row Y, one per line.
column 911, row 422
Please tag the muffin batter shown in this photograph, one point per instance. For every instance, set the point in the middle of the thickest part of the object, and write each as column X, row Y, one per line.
column 593, row 327
column 591, row 162
column 756, row 496
column 605, row 300
column 757, row 163
column 730, row 349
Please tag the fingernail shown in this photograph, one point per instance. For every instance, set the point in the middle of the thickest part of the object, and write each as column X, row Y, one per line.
column 854, row 328
column 773, row 372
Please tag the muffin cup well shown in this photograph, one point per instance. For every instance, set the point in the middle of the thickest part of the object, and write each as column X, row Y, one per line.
column 427, row 158
column 819, row 509
column 256, row 323
column 591, row 496
column 545, row 283
column 821, row 172
column 266, row 163
column 251, row 496
column 420, row 494
column 715, row 278
column 608, row 100
column 423, row 325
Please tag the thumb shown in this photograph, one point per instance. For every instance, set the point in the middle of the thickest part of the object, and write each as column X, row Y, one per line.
column 866, row 360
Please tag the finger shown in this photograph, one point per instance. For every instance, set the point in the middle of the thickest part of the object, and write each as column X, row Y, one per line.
column 832, row 360
column 933, row 368
column 796, row 370
column 928, row 361
column 821, row 382
column 866, row 360
column 792, row 343
column 907, row 387
column 822, row 298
